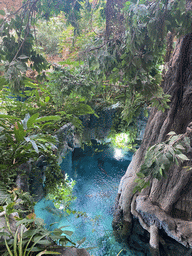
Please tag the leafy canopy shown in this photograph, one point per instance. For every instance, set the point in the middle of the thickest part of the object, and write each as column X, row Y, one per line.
column 124, row 67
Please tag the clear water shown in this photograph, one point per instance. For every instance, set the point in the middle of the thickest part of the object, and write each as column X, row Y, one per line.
column 97, row 171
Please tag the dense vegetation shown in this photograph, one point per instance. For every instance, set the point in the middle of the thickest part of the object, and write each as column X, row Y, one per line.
column 110, row 52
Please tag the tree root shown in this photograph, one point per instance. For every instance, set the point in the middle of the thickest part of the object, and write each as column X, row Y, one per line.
column 151, row 214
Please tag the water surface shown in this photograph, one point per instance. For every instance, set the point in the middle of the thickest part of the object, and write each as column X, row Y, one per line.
column 97, row 171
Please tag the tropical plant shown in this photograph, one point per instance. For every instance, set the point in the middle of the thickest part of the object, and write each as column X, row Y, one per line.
column 31, row 238
column 21, row 140
column 160, row 157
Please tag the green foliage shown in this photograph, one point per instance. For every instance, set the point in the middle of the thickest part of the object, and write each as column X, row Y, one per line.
column 63, row 196
column 123, row 132
column 48, row 34
column 10, row 200
column 72, row 90
column 21, row 140
column 27, row 134
column 28, row 125
column 33, row 240
column 131, row 61
column 160, row 157
column 17, row 47
column 49, row 8
column 124, row 140
column 30, row 236
column 124, row 68
column 90, row 25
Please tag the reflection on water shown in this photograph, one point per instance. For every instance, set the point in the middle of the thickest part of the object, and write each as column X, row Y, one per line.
column 118, row 155
column 97, row 172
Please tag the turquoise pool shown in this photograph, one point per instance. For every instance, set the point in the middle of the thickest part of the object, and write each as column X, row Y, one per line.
column 97, row 171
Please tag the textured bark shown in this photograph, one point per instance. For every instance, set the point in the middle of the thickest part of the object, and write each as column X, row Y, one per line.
column 114, row 19
column 156, row 206
column 109, row 11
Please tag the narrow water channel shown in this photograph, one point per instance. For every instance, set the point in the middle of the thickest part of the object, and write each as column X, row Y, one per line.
column 97, row 171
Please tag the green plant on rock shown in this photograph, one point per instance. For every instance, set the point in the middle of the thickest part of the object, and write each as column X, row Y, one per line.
column 31, row 238
column 26, row 236
column 160, row 157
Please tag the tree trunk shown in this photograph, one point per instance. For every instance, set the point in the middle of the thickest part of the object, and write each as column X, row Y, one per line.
column 166, row 205
column 114, row 19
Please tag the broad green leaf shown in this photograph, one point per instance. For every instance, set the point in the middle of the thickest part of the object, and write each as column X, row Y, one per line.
column 19, row 132
column 176, row 161
column 161, row 171
column 33, row 249
column 23, row 57
column 137, row 180
column 147, row 184
column 30, row 233
column 9, row 117
column 62, row 226
column 67, row 232
column 47, row 99
column 32, row 120
column 136, row 188
column 179, row 146
column 34, row 145
column 146, row 114
column 56, row 223
column 36, row 240
column 66, row 240
column 182, row 157
column 44, row 242
column 140, row 175
column 173, row 139
column 171, row 133
column 48, row 252
column 187, row 141
column 47, row 118
column 4, row 234
column 24, row 221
